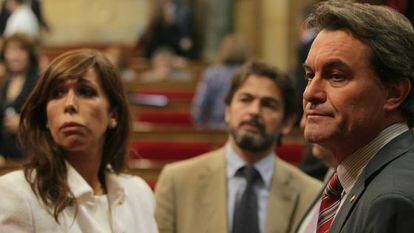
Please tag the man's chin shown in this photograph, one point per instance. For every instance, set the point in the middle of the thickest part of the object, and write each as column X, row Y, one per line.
column 314, row 137
column 254, row 143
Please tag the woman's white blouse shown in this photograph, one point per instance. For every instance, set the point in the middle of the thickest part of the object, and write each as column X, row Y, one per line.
column 130, row 201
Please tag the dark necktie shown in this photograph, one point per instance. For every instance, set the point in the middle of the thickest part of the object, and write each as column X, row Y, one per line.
column 331, row 199
column 246, row 212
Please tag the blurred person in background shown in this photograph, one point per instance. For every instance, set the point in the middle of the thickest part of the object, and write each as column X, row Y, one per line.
column 19, row 55
column 307, row 35
column 314, row 162
column 208, row 105
column 309, row 221
column 118, row 57
column 35, row 5
column 170, row 26
column 21, row 20
column 164, row 67
column 75, row 128
column 319, row 163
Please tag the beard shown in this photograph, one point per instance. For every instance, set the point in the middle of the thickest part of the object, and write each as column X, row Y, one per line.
column 253, row 142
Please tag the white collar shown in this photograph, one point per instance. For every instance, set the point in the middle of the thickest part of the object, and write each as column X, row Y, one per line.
column 265, row 166
column 83, row 192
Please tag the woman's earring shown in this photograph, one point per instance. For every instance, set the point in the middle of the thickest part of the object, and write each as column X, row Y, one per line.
column 113, row 124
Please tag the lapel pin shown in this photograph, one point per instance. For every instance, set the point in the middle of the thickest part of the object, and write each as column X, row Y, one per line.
column 352, row 198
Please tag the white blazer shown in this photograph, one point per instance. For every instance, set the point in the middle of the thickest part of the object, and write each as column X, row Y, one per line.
column 131, row 203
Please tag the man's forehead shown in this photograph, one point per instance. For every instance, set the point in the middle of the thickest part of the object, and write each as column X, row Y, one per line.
column 336, row 47
column 259, row 86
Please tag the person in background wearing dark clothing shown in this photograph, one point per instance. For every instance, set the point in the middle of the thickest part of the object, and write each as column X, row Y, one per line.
column 19, row 55
column 312, row 164
column 169, row 27
column 405, row 7
column 307, row 35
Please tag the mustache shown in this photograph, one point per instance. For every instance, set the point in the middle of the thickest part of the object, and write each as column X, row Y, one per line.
column 255, row 122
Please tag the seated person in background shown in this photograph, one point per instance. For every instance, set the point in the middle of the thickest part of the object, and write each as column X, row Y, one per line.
column 36, row 7
column 325, row 161
column 242, row 187
column 208, row 104
column 119, row 59
column 314, row 162
column 19, row 55
column 309, row 221
column 74, row 129
column 307, row 35
column 169, row 26
column 21, row 20
column 164, row 68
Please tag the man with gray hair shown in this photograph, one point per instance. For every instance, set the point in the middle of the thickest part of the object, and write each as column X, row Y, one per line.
column 358, row 104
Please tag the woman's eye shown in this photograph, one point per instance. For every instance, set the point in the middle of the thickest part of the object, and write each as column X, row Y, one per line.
column 87, row 91
column 57, row 93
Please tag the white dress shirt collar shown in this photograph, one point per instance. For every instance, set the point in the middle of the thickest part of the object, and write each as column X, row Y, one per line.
column 264, row 166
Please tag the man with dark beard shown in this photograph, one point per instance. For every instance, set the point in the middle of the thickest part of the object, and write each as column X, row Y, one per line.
column 242, row 187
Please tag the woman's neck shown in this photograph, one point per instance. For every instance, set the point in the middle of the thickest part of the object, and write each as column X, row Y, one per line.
column 88, row 167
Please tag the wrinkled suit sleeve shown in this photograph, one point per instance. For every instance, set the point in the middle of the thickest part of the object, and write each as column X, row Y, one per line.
column 165, row 211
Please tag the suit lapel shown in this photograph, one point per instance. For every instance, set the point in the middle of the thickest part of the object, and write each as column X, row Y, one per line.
column 386, row 155
column 212, row 188
column 346, row 208
column 282, row 201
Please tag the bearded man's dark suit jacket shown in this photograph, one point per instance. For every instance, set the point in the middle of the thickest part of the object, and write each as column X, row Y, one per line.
column 382, row 199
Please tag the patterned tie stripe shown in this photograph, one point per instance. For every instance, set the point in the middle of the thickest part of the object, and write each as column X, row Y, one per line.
column 331, row 198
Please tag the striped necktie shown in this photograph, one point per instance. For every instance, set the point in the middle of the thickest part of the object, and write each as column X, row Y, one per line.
column 331, row 199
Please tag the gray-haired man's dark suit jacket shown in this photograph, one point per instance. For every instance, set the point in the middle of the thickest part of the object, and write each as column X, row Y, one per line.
column 382, row 200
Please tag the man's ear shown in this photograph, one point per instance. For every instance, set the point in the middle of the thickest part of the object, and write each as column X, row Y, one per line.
column 288, row 124
column 397, row 92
